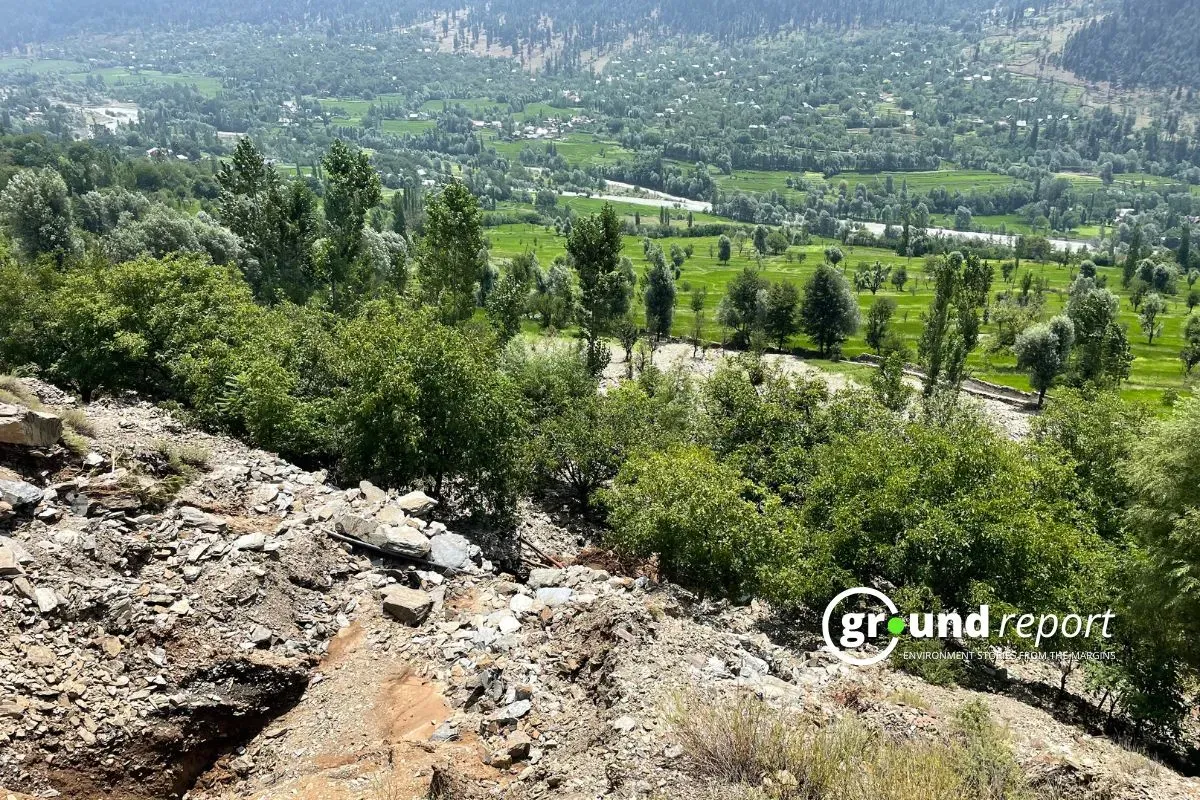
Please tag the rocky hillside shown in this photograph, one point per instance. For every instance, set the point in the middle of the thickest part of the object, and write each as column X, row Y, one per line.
column 182, row 614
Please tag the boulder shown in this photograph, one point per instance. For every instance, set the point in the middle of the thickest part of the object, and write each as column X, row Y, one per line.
column 19, row 493
column 23, row 426
column 542, row 578
column 371, row 493
column 356, row 526
column 450, row 550
column 416, row 502
column 555, row 596
column 406, row 605
column 405, row 541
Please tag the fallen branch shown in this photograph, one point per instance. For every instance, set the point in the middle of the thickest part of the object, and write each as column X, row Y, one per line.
column 549, row 560
column 383, row 551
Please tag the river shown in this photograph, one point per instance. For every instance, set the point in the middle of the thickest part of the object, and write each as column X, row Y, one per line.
column 649, row 197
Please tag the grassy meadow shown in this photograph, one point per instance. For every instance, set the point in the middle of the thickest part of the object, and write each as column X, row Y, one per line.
column 1156, row 367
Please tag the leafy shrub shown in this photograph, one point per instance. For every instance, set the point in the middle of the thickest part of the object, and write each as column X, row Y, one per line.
column 694, row 512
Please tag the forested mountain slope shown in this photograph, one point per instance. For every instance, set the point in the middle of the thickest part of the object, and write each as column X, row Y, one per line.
column 506, row 20
column 1153, row 43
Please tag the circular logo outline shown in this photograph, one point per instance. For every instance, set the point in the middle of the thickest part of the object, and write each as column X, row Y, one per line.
column 839, row 652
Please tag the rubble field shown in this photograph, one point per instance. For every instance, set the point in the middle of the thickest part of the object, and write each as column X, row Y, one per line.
column 181, row 615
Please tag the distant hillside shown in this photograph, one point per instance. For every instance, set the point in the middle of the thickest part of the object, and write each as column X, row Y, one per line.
column 589, row 21
column 1152, row 43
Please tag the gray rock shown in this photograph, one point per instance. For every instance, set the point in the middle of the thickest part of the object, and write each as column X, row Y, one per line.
column 405, row 541
column 416, row 502
column 450, row 550
column 25, row 588
column 390, row 515
column 93, row 460
column 541, row 578
column 46, row 600
column 510, row 714
column 444, row 733
column 195, row 518
column 406, row 605
column 250, row 541
column 356, row 526
column 22, row 426
column 261, row 636
column 19, row 493
column 554, row 596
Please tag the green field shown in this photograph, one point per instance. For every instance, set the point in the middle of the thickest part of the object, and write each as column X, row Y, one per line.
column 121, row 76
column 579, row 149
column 39, row 66
column 1155, row 369
column 962, row 180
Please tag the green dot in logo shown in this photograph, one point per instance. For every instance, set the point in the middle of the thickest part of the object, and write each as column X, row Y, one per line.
column 896, row 626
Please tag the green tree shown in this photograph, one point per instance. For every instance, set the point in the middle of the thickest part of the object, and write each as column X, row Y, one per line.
column 962, row 219
column 1190, row 354
column 595, row 249
column 506, row 307
column 35, row 210
column 449, row 253
column 834, row 255
column 829, row 313
column 887, row 383
column 777, row 243
column 878, row 324
column 1164, row 472
column 1153, row 307
column 951, row 330
column 660, row 294
column 1043, row 351
column 699, row 298
column 352, row 189
column 871, row 277
column 760, row 240
column 724, row 249
column 585, row 444
column 1102, row 353
column 162, row 327
column 425, row 402
column 899, row 278
column 780, row 319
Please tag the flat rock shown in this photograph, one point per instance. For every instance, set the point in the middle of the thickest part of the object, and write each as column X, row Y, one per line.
column 8, row 563
column 19, row 493
column 406, row 605
column 250, row 541
column 195, row 518
column 22, row 426
column 416, row 502
column 450, row 550
column 553, row 596
column 541, row 578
